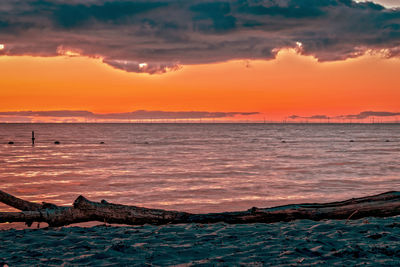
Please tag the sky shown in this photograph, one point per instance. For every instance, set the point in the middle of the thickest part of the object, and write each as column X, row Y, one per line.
column 100, row 60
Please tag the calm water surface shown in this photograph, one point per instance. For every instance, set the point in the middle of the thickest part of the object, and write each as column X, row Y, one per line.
column 199, row 167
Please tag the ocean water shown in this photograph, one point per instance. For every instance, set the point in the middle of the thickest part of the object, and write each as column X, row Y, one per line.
column 199, row 167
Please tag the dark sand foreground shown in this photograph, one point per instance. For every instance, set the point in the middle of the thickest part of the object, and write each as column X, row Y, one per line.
column 371, row 241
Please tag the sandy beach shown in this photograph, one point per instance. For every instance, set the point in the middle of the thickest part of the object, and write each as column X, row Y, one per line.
column 371, row 241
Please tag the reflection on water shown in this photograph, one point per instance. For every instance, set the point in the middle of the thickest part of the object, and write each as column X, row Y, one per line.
column 199, row 167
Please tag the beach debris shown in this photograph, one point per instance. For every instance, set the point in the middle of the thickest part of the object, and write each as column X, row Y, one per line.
column 101, row 143
column 387, row 140
column 33, row 138
column 56, row 142
column 351, row 215
column 300, row 260
column 351, row 141
column 11, row 143
column 84, row 210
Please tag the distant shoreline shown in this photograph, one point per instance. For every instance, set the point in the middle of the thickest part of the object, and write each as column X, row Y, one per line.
column 216, row 123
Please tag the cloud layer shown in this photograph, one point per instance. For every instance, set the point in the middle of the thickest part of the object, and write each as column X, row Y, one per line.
column 127, row 116
column 386, row 3
column 165, row 34
column 368, row 114
column 359, row 116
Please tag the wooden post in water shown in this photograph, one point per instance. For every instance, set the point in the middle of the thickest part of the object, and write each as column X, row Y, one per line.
column 33, row 138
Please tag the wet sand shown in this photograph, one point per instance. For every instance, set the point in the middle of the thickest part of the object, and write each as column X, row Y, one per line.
column 372, row 241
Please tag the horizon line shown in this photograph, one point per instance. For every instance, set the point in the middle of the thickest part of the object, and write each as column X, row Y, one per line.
column 209, row 122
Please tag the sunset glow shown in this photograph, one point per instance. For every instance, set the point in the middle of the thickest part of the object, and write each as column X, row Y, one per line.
column 290, row 84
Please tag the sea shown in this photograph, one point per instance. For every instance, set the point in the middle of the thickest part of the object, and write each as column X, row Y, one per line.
column 199, row 167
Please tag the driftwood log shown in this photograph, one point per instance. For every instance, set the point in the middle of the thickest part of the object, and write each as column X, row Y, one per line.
column 83, row 210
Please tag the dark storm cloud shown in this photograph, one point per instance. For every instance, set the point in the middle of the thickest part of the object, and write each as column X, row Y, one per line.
column 166, row 33
column 80, row 15
column 135, row 115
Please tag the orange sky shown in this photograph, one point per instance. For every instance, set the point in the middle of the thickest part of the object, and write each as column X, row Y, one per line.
column 290, row 84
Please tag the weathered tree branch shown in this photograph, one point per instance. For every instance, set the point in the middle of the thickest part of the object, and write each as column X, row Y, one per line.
column 83, row 210
column 18, row 203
